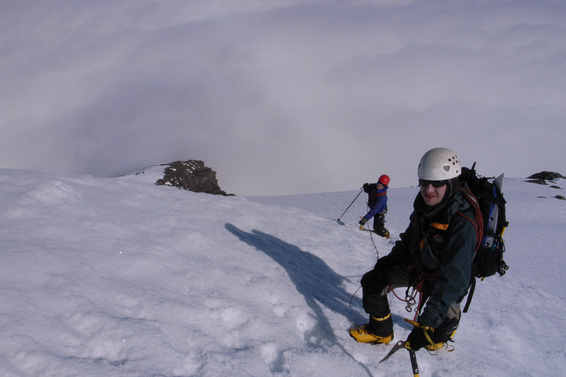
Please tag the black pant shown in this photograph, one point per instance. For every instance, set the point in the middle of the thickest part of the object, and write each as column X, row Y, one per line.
column 379, row 224
column 377, row 283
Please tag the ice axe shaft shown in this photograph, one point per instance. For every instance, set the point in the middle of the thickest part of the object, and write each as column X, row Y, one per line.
column 350, row 204
column 414, row 364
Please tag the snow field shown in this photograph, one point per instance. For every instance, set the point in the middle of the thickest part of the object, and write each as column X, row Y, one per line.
column 119, row 277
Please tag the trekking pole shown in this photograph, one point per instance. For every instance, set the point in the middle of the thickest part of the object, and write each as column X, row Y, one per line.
column 350, row 204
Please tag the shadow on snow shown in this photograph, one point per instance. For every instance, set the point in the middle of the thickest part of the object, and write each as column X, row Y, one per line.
column 313, row 278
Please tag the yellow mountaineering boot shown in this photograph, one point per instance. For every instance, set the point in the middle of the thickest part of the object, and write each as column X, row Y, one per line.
column 440, row 345
column 366, row 334
column 384, row 233
column 362, row 335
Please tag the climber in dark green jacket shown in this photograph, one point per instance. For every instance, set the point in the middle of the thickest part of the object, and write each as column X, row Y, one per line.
column 434, row 255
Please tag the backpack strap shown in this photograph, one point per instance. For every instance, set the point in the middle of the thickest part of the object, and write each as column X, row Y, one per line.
column 470, row 294
column 377, row 194
column 478, row 217
column 478, row 226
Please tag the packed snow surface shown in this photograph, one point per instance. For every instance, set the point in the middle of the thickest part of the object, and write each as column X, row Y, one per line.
column 119, row 277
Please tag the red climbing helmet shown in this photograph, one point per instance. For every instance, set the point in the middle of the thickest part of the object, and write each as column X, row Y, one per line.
column 384, row 179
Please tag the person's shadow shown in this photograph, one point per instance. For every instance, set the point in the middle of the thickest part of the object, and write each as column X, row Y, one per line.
column 313, row 278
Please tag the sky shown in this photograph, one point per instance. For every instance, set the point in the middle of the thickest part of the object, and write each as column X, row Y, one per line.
column 282, row 97
column 122, row 278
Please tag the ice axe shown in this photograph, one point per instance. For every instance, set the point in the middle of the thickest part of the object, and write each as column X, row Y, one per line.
column 403, row 344
column 350, row 205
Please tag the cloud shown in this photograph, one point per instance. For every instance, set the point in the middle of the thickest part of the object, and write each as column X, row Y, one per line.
column 282, row 97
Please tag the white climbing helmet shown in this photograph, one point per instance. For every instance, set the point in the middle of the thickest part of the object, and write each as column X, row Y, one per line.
column 439, row 164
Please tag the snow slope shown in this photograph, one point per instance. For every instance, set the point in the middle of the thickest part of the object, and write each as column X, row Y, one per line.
column 119, row 277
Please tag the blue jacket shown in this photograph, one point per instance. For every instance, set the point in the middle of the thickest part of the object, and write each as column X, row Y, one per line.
column 377, row 200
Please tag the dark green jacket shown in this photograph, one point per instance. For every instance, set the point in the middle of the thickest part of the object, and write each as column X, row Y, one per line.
column 439, row 245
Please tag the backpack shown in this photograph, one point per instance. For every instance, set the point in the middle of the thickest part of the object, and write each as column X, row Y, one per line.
column 488, row 205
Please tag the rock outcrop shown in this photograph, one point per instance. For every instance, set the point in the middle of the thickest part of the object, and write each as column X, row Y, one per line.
column 191, row 175
column 546, row 175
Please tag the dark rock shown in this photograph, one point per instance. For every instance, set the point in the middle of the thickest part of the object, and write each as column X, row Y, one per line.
column 537, row 181
column 543, row 176
column 546, row 175
column 191, row 175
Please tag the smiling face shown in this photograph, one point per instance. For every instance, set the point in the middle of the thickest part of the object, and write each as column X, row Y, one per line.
column 432, row 195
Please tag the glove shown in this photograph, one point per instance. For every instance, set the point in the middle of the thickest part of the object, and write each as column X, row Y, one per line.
column 362, row 222
column 417, row 339
column 366, row 187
